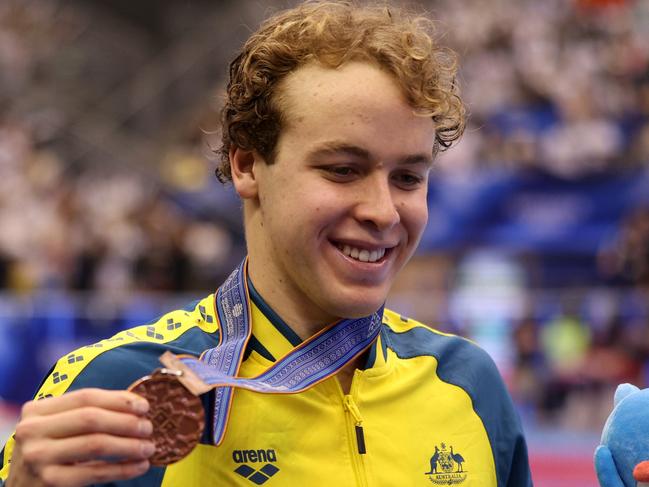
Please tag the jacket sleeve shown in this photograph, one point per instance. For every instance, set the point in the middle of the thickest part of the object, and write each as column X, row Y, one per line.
column 4, row 461
column 117, row 362
column 479, row 375
column 520, row 469
column 503, row 425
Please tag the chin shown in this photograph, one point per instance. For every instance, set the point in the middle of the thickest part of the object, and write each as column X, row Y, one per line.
column 355, row 308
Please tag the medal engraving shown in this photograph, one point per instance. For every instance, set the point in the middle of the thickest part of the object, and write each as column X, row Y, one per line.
column 176, row 414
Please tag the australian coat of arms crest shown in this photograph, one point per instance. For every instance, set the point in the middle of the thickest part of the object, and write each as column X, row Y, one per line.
column 446, row 466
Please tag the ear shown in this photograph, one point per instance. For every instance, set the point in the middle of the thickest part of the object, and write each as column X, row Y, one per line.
column 623, row 391
column 242, row 165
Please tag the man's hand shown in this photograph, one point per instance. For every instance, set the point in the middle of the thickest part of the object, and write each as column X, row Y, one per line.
column 85, row 437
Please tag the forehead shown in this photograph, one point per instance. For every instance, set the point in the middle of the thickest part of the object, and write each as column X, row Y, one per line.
column 357, row 102
column 353, row 85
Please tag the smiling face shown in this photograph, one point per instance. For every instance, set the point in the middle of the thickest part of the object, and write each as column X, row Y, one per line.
column 342, row 208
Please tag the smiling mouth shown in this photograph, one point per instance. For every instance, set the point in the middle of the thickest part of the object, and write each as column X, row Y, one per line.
column 363, row 255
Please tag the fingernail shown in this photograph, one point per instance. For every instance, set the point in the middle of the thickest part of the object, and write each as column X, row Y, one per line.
column 147, row 448
column 141, row 406
column 145, row 427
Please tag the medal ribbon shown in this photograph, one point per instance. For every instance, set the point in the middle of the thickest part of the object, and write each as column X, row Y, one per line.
column 313, row 361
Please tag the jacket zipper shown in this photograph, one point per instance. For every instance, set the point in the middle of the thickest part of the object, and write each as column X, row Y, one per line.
column 356, row 437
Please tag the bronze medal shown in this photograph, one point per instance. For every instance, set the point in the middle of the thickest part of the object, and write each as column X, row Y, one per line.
column 176, row 414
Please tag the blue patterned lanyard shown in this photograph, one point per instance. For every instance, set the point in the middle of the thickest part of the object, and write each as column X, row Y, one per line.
column 313, row 361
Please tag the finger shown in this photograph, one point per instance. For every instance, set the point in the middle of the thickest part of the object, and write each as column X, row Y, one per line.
column 87, row 447
column 84, row 420
column 82, row 475
column 123, row 401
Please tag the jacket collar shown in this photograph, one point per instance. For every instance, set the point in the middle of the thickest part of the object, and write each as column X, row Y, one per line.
column 272, row 337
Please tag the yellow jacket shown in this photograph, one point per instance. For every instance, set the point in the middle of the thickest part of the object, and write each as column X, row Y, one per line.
column 428, row 409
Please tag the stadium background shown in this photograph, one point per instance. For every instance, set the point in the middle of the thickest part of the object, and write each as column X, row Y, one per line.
column 538, row 242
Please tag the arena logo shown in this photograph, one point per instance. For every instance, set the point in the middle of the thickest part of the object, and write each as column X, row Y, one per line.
column 256, row 476
column 446, row 467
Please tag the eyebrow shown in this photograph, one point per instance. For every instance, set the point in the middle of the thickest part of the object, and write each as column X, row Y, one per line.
column 337, row 148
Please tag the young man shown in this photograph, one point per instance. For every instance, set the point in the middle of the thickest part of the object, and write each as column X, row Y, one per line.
column 333, row 116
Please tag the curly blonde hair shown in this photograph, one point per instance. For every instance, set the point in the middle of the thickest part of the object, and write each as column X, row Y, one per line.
column 333, row 33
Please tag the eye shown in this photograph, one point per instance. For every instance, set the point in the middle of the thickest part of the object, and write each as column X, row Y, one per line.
column 409, row 180
column 341, row 172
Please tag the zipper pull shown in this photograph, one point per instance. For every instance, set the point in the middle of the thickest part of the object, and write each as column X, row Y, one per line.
column 350, row 406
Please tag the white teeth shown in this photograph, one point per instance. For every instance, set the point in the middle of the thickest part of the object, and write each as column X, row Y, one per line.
column 362, row 254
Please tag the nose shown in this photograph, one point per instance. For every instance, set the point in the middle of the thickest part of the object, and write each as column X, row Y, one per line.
column 376, row 207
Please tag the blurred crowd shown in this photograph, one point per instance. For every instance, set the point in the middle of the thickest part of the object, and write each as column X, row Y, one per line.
column 100, row 230
column 556, row 86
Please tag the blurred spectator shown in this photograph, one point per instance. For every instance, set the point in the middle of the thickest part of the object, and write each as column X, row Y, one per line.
column 565, row 342
column 529, row 365
column 627, row 261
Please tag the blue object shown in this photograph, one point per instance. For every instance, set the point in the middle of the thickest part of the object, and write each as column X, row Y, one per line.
column 625, row 438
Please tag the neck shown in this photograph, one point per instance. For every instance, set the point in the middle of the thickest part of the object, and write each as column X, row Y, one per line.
column 345, row 375
column 304, row 317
